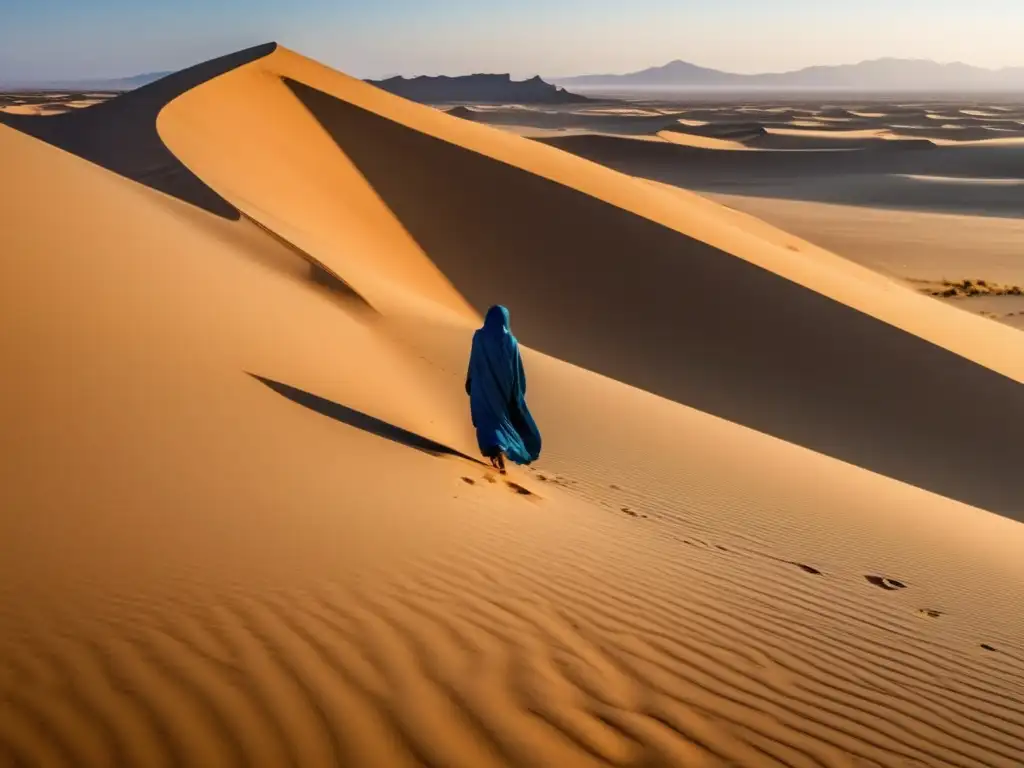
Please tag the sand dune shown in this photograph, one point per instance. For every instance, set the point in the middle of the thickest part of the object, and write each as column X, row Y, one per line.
column 702, row 142
column 913, row 247
column 243, row 521
column 903, row 244
column 796, row 378
column 864, row 169
column 804, row 125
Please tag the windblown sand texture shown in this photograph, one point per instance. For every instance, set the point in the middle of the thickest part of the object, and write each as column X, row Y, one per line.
column 776, row 521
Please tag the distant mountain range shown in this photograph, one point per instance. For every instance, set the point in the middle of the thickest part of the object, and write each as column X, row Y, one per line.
column 428, row 90
column 95, row 84
column 478, row 89
column 876, row 75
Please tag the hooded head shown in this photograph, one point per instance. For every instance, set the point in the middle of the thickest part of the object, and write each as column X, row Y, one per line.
column 497, row 320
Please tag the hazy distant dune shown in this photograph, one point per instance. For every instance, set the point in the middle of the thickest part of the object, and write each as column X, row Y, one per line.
column 860, row 171
column 735, row 131
column 806, row 150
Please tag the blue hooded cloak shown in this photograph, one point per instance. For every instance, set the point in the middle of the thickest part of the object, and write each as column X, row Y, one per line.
column 496, row 385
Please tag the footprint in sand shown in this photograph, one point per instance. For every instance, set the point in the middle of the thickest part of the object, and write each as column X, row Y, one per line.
column 885, row 582
column 553, row 479
column 518, row 488
column 807, row 569
column 514, row 486
column 802, row 566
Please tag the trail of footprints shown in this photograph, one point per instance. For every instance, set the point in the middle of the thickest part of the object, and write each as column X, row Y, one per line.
column 511, row 485
column 882, row 582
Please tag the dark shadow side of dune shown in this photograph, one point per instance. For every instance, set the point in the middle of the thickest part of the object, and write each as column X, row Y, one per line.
column 120, row 135
column 624, row 296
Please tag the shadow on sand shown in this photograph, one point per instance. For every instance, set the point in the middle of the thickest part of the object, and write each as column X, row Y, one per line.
column 362, row 421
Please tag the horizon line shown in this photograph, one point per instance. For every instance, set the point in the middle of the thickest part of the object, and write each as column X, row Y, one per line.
column 70, row 80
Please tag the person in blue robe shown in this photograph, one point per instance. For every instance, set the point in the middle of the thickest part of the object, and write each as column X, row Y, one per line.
column 496, row 385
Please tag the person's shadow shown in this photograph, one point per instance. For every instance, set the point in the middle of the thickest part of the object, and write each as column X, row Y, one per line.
column 361, row 420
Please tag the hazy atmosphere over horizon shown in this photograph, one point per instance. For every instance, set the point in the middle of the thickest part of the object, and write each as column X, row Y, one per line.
column 51, row 39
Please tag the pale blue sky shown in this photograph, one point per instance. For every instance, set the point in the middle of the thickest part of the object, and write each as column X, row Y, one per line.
column 42, row 39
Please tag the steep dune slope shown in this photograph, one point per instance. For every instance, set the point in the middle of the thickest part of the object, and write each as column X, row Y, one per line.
column 623, row 277
column 120, row 134
column 249, row 139
column 200, row 569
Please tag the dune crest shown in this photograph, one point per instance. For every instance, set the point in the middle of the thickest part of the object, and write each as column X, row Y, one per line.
column 120, row 134
column 245, row 522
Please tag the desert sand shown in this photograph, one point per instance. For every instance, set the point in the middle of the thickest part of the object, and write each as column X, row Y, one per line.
column 923, row 249
column 776, row 522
